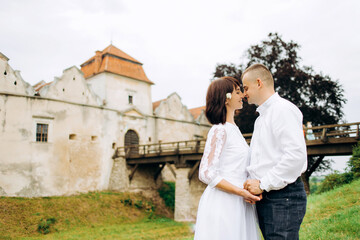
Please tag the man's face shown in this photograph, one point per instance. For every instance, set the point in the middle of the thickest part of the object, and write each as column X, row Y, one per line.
column 251, row 89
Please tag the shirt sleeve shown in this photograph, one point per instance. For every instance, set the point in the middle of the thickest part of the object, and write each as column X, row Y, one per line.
column 287, row 129
column 210, row 161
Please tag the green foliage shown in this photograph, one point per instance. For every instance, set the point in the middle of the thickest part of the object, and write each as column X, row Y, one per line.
column 334, row 180
column 127, row 201
column 138, row 204
column 337, row 179
column 45, row 225
column 354, row 162
column 167, row 192
column 315, row 183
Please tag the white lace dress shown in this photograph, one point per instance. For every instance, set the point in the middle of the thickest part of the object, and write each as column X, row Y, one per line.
column 223, row 215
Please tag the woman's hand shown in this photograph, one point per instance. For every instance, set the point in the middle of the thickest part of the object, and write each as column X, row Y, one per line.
column 230, row 188
column 248, row 197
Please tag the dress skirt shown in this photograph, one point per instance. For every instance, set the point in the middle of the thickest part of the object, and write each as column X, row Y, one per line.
column 225, row 216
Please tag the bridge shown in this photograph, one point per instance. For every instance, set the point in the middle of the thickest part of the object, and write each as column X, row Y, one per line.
column 326, row 140
column 185, row 156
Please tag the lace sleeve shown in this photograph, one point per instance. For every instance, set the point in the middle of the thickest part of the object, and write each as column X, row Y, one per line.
column 209, row 167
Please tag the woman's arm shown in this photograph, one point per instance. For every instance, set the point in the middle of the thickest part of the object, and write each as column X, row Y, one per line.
column 230, row 188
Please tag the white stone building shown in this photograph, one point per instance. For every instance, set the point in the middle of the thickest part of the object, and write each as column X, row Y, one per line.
column 58, row 138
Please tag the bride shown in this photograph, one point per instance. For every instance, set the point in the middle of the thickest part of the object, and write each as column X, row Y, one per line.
column 226, row 210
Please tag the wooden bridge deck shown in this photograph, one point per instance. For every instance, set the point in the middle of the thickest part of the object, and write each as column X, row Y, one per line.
column 327, row 140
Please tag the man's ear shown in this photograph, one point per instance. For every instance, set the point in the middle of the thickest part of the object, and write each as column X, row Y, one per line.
column 259, row 82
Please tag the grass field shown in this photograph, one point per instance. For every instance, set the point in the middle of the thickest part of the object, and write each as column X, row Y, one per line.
column 334, row 214
column 109, row 215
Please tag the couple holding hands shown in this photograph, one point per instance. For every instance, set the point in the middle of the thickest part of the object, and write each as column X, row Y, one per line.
column 258, row 187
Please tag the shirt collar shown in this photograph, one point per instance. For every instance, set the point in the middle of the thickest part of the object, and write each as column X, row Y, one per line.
column 262, row 108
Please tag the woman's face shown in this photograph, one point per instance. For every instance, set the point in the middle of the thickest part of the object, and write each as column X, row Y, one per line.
column 236, row 101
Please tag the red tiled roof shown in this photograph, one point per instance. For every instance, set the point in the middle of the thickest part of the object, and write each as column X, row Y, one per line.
column 40, row 85
column 196, row 111
column 113, row 60
column 157, row 103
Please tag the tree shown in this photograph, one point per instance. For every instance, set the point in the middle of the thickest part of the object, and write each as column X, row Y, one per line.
column 319, row 98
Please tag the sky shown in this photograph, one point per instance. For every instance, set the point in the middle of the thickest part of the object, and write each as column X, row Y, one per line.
column 181, row 42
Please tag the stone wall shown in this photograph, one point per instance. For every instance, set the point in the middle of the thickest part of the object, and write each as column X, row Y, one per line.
column 187, row 195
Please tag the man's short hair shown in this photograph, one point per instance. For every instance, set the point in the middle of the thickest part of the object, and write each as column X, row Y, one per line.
column 260, row 71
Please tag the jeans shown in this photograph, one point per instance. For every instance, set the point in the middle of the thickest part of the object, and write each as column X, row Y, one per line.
column 281, row 212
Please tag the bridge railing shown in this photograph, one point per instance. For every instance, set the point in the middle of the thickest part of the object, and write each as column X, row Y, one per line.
column 313, row 135
column 162, row 148
column 324, row 132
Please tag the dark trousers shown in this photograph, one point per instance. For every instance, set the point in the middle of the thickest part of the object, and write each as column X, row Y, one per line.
column 281, row 212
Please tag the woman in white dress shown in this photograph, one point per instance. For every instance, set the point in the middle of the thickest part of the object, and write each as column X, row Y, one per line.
column 226, row 210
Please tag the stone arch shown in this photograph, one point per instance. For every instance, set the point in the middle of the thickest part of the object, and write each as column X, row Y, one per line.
column 131, row 138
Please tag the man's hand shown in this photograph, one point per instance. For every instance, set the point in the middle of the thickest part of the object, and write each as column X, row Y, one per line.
column 253, row 186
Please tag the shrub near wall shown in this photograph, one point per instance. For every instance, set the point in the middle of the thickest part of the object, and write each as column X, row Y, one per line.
column 167, row 192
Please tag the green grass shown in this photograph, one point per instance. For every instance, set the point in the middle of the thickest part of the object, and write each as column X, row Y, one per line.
column 96, row 215
column 109, row 215
column 161, row 228
column 334, row 214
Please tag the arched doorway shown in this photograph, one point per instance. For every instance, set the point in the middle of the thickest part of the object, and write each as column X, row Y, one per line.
column 131, row 138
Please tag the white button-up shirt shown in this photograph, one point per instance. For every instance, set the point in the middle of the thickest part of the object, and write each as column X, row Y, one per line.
column 278, row 149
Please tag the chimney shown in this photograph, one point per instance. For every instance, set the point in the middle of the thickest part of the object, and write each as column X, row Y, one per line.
column 97, row 61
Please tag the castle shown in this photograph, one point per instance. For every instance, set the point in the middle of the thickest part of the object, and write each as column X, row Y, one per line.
column 58, row 138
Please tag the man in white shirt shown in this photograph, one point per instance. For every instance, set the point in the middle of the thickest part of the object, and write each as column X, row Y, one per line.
column 277, row 157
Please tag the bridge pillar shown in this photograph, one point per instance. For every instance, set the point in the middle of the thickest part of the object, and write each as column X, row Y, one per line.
column 187, row 195
column 119, row 179
column 142, row 180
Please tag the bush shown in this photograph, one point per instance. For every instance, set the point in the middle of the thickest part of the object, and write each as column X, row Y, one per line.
column 335, row 179
column 315, row 182
column 45, row 224
column 167, row 192
column 354, row 162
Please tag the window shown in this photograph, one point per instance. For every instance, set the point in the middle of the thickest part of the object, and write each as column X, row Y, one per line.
column 42, row 132
column 72, row 136
column 130, row 99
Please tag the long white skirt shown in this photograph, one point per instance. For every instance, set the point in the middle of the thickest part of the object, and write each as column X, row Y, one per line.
column 225, row 216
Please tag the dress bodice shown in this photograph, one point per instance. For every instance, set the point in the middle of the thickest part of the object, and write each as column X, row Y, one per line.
column 225, row 156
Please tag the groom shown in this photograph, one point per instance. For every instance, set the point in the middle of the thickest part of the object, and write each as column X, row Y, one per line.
column 277, row 157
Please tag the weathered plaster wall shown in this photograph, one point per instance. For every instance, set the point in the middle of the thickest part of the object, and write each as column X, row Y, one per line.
column 114, row 89
column 61, row 165
column 183, row 129
column 11, row 81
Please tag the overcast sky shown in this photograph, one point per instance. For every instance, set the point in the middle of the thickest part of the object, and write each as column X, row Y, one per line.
column 180, row 42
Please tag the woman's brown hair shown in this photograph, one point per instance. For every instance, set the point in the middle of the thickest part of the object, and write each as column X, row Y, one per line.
column 216, row 96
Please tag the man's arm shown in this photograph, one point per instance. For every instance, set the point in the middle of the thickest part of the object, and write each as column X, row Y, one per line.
column 287, row 130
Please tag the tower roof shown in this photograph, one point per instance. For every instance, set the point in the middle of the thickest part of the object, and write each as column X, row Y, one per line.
column 113, row 60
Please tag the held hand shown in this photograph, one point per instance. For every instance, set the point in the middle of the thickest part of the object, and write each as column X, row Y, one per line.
column 248, row 197
column 253, row 186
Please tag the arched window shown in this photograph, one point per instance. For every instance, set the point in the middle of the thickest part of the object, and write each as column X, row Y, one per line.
column 131, row 138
